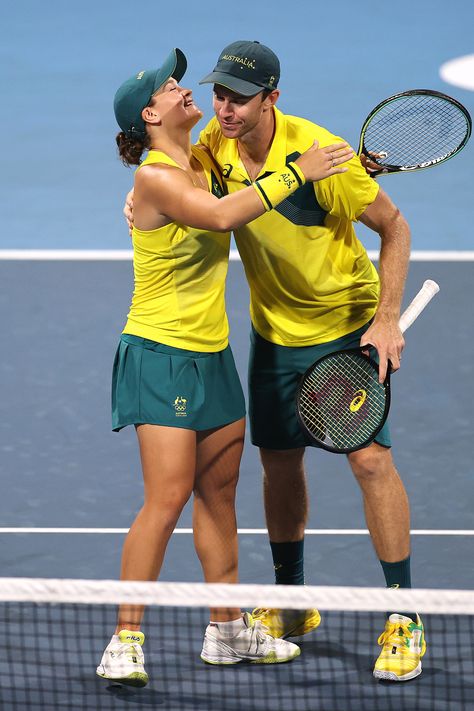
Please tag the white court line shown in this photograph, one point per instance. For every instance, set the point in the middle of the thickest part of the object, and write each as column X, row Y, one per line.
column 248, row 531
column 113, row 255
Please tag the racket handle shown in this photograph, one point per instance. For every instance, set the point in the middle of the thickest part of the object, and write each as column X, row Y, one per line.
column 422, row 299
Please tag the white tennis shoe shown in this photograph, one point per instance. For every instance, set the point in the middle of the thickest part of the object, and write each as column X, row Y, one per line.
column 123, row 660
column 252, row 644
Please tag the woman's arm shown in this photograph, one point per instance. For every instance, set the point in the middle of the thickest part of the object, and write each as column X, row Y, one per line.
column 164, row 193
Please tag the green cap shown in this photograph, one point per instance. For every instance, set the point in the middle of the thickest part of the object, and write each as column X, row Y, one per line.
column 246, row 68
column 135, row 93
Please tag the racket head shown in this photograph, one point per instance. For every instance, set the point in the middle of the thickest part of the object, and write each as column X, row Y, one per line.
column 414, row 130
column 340, row 404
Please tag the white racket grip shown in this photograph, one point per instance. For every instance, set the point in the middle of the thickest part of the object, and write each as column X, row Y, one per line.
column 422, row 299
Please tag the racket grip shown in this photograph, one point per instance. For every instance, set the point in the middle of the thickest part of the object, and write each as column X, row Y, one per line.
column 422, row 299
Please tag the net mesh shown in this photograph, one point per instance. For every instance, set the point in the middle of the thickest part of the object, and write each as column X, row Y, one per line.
column 412, row 131
column 341, row 402
column 54, row 632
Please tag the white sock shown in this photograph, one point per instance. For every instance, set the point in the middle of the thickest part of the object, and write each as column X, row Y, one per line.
column 231, row 628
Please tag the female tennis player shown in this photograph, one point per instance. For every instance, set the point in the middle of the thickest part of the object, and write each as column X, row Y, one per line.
column 174, row 376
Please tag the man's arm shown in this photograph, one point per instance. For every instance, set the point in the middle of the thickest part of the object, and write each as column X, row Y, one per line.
column 384, row 217
column 128, row 211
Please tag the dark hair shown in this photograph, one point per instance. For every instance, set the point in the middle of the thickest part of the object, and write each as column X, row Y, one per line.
column 131, row 149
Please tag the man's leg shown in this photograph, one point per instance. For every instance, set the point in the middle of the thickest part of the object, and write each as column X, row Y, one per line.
column 388, row 519
column 274, row 373
column 284, row 493
column 286, row 511
column 386, row 510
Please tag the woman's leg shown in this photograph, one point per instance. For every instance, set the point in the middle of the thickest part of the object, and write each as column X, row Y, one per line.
column 168, row 456
column 219, row 452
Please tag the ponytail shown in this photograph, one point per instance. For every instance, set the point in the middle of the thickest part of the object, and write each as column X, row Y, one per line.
column 131, row 149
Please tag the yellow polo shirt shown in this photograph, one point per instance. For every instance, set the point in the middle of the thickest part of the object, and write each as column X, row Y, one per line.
column 310, row 278
column 180, row 277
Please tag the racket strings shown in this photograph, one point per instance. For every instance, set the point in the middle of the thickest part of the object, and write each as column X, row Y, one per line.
column 414, row 130
column 341, row 401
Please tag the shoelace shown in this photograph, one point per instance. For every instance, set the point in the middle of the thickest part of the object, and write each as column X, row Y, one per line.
column 261, row 611
column 258, row 635
column 395, row 635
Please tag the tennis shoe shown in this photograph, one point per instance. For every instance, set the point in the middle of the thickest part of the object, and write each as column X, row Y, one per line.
column 403, row 645
column 253, row 645
column 287, row 623
column 123, row 660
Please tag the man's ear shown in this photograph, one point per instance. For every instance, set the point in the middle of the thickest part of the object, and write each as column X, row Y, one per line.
column 271, row 99
column 151, row 115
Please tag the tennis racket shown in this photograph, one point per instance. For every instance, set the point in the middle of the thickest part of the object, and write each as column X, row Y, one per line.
column 340, row 404
column 413, row 130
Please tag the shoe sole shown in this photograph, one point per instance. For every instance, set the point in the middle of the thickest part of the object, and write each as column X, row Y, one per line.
column 269, row 659
column 136, row 679
column 391, row 676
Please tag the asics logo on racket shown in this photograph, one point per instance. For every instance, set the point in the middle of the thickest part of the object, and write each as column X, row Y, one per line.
column 180, row 405
column 358, row 400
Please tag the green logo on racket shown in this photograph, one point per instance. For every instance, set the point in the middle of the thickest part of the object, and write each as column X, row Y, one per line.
column 358, row 401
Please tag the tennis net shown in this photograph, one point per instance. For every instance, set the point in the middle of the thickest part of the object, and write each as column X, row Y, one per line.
column 54, row 633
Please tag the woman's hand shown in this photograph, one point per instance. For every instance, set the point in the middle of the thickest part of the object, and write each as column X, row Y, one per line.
column 319, row 163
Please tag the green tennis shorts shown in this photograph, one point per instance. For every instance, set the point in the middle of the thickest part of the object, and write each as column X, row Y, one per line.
column 160, row 385
column 274, row 374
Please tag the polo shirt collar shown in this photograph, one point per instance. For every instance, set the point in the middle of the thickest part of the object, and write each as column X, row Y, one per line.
column 276, row 158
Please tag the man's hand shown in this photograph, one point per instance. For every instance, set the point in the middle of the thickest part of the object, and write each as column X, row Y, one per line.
column 128, row 211
column 370, row 162
column 385, row 336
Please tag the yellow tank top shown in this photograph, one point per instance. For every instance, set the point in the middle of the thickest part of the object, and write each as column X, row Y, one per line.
column 180, row 275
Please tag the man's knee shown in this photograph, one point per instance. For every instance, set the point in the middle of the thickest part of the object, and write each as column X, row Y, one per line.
column 278, row 462
column 371, row 462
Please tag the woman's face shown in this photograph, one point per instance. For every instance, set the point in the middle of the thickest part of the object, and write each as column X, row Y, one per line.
column 175, row 104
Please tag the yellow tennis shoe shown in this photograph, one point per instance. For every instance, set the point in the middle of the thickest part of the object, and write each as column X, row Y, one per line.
column 403, row 645
column 287, row 623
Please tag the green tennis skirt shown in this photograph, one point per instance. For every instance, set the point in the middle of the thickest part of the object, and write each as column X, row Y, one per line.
column 161, row 385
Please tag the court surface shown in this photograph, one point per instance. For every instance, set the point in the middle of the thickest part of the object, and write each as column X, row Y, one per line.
column 66, row 469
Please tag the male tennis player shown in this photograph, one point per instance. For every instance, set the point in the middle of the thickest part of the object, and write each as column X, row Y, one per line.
column 313, row 290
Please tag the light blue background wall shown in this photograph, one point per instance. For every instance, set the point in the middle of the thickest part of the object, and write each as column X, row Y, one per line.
column 61, row 62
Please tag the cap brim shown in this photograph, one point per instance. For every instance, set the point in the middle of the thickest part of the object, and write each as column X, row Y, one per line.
column 245, row 88
column 175, row 66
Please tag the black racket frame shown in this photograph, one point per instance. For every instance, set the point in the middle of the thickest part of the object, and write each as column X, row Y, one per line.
column 387, row 169
column 312, row 440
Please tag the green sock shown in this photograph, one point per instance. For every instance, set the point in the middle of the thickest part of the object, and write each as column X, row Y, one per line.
column 288, row 561
column 398, row 575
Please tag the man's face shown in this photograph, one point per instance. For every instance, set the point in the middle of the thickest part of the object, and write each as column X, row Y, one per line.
column 237, row 114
